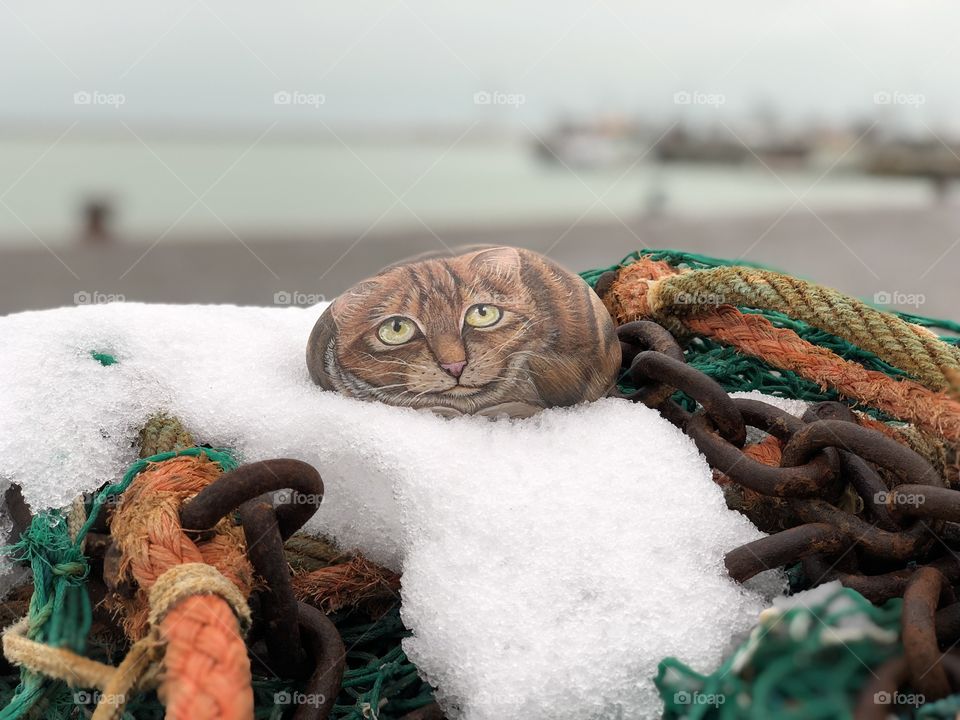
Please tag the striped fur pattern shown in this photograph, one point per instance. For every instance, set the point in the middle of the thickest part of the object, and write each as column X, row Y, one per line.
column 499, row 330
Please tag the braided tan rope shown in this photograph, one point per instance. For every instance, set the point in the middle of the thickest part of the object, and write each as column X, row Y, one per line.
column 639, row 292
column 904, row 345
column 73, row 669
column 137, row 672
column 182, row 581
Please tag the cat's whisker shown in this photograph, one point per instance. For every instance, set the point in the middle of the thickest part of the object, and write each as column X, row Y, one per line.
column 424, row 371
column 515, row 365
column 388, row 361
column 390, row 387
column 421, row 394
column 523, row 328
column 412, row 400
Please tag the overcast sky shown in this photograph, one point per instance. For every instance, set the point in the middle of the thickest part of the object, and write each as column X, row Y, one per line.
column 213, row 63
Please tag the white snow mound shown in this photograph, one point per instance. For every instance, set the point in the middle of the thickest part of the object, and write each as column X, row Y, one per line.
column 548, row 563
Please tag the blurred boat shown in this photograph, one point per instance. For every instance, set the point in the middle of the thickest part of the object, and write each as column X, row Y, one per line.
column 724, row 148
column 930, row 159
column 594, row 145
column 933, row 160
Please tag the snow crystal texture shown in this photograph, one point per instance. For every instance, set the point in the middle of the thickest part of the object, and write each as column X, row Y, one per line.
column 548, row 563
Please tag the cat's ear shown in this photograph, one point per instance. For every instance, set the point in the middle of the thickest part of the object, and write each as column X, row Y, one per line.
column 348, row 304
column 445, row 254
column 499, row 260
column 343, row 312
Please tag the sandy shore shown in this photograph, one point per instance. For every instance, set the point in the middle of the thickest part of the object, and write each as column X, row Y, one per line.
column 911, row 255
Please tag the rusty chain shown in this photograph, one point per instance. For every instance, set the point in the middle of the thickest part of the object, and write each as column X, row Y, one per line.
column 897, row 540
column 271, row 500
column 861, row 507
column 274, row 499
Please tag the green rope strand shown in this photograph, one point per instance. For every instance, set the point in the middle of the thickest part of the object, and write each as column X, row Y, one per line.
column 60, row 613
column 790, row 668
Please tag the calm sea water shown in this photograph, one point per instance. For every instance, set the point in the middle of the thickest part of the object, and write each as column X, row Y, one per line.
column 191, row 188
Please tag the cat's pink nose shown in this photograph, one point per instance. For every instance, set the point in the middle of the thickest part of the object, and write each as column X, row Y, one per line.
column 454, row 368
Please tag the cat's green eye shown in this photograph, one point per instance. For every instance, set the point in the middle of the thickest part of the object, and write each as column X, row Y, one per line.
column 481, row 316
column 396, row 330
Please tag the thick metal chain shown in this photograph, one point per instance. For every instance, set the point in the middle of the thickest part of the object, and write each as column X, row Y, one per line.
column 897, row 540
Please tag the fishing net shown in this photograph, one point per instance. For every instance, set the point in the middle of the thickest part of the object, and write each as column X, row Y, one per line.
column 790, row 667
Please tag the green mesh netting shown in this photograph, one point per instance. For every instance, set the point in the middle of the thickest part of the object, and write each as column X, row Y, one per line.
column 378, row 682
column 105, row 359
column 60, row 613
column 804, row 662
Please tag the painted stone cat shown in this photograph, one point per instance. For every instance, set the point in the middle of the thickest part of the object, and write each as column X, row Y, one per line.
column 498, row 330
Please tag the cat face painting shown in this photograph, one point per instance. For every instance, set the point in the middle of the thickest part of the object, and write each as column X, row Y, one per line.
column 497, row 330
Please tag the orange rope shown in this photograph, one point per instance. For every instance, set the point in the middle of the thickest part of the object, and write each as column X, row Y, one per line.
column 206, row 668
column 206, row 663
column 357, row 582
column 768, row 451
column 633, row 296
column 905, row 399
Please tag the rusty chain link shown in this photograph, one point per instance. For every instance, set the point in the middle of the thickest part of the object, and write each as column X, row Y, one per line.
column 274, row 499
column 864, row 509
